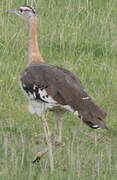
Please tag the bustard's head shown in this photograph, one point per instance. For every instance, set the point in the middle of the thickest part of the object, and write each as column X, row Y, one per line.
column 26, row 12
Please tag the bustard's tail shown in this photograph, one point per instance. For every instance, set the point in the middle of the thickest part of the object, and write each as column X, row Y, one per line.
column 92, row 115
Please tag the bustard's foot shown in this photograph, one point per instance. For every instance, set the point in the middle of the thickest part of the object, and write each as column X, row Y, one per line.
column 56, row 141
column 39, row 155
column 58, row 144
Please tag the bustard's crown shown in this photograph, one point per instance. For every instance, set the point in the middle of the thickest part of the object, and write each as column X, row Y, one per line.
column 27, row 8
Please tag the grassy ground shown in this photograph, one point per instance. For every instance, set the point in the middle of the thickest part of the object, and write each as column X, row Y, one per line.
column 78, row 35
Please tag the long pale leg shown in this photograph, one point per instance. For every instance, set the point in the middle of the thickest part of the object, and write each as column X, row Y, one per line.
column 48, row 149
column 59, row 130
column 59, row 118
column 56, row 142
column 48, row 139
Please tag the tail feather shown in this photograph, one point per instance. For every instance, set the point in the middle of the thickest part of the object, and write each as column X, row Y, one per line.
column 93, row 116
column 92, row 120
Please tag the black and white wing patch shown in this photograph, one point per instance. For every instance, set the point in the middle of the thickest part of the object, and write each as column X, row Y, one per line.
column 45, row 97
column 34, row 92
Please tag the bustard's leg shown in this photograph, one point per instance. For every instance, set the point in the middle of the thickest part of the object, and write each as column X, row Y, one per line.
column 59, row 118
column 59, row 130
column 48, row 139
column 57, row 141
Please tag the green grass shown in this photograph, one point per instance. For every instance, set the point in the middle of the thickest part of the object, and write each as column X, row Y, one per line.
column 81, row 36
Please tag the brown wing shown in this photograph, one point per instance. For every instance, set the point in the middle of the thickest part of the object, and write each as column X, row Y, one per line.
column 65, row 89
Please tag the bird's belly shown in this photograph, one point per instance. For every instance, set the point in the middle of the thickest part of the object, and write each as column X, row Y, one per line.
column 39, row 107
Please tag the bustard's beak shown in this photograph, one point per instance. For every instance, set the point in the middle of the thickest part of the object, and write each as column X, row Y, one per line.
column 11, row 11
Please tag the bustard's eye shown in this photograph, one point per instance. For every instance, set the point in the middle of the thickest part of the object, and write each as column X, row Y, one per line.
column 21, row 10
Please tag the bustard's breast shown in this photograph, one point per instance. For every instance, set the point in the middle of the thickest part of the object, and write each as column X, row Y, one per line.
column 39, row 101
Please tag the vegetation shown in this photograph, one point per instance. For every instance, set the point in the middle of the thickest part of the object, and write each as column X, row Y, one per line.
column 80, row 35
